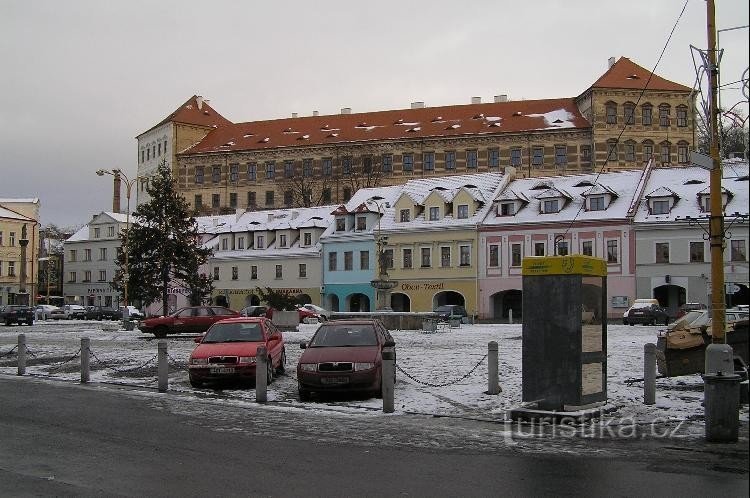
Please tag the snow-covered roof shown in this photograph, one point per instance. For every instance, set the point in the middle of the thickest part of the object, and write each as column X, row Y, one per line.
column 7, row 213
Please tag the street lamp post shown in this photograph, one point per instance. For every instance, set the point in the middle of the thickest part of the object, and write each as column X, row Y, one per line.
column 119, row 175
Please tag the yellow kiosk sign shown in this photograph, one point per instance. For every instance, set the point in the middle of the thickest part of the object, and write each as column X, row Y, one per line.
column 564, row 265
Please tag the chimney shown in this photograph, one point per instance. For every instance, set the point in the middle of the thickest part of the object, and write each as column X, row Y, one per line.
column 294, row 215
column 294, row 114
column 417, row 105
column 346, row 110
column 611, row 62
column 501, row 98
column 199, row 101
column 316, row 113
column 116, row 192
column 476, row 100
column 270, row 216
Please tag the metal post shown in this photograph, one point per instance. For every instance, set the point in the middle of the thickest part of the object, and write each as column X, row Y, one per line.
column 510, row 315
column 85, row 343
column 261, row 375
column 163, row 367
column 21, row 354
column 387, row 378
column 493, row 381
column 649, row 374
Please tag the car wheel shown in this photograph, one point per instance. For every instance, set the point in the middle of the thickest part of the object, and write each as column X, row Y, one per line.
column 160, row 332
column 30, row 322
column 196, row 383
column 282, row 363
column 631, row 323
column 269, row 371
column 304, row 394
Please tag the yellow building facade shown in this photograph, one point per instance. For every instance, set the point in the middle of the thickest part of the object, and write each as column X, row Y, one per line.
column 17, row 215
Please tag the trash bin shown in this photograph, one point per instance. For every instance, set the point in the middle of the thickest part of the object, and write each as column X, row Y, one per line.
column 721, row 405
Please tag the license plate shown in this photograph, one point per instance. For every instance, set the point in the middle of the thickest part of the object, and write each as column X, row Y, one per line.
column 334, row 380
column 222, row 370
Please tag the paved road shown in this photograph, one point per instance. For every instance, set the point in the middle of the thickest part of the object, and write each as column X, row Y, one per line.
column 64, row 439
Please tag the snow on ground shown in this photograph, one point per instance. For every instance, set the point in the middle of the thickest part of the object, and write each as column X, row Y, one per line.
column 442, row 359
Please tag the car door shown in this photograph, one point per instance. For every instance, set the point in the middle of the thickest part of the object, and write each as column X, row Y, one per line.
column 183, row 319
column 273, row 341
column 203, row 319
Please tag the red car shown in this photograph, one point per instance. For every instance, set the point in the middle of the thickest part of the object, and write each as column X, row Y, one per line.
column 228, row 351
column 192, row 320
column 343, row 356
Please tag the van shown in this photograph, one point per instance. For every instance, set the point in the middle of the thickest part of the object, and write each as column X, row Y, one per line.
column 639, row 303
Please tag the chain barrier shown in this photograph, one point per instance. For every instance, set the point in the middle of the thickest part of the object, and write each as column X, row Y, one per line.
column 32, row 354
column 429, row 384
column 180, row 365
column 126, row 370
column 60, row 365
column 9, row 352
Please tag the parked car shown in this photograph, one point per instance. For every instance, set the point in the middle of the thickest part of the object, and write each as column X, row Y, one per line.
column 133, row 313
column 228, row 351
column 323, row 313
column 192, row 319
column 343, row 356
column 57, row 314
column 74, row 311
column 302, row 314
column 638, row 303
column 648, row 315
column 450, row 310
column 255, row 311
column 42, row 311
column 103, row 313
column 687, row 307
column 14, row 313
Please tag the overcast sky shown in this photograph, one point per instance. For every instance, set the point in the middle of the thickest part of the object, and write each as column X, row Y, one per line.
column 80, row 79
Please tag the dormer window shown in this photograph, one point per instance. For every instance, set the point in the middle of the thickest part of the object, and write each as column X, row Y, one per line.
column 282, row 240
column 507, row 208
column 307, row 238
column 660, row 206
column 260, row 242
column 340, row 224
column 596, row 203
column 551, row 206
column 361, row 223
column 404, row 215
column 434, row 213
column 462, row 212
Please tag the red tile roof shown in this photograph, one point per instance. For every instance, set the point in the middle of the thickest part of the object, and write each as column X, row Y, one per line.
column 627, row 74
column 195, row 111
column 447, row 121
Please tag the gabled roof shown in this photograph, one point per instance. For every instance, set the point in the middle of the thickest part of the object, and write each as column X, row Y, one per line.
column 10, row 214
column 553, row 193
column 662, row 192
column 446, row 121
column 512, row 195
column 194, row 111
column 599, row 189
column 627, row 74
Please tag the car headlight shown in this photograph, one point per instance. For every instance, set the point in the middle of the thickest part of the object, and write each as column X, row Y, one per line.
column 363, row 366
column 247, row 359
column 199, row 361
column 308, row 367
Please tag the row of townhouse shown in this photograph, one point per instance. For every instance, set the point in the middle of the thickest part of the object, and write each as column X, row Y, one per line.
column 459, row 240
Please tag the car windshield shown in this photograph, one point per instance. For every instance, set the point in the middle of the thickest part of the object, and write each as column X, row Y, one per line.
column 234, row 332
column 344, row 336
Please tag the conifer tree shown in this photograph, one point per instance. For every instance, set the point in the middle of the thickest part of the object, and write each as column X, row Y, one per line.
column 163, row 247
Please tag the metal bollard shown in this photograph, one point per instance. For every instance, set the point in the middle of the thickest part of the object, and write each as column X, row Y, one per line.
column 261, row 375
column 163, row 367
column 21, row 354
column 649, row 374
column 510, row 316
column 388, row 372
column 493, row 379
column 85, row 343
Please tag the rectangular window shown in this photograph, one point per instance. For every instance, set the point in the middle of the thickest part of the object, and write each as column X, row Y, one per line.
column 252, row 171
column 630, row 152
column 561, row 155
column 282, row 240
column 662, row 252
column 682, row 116
column 539, row 249
column 364, row 260
column 463, row 211
column 198, row 202
column 682, row 154
column 408, row 162
column 102, row 254
column 307, row 237
column 361, row 223
column 434, row 213
column 665, row 153
column 471, row 159
column 596, row 203
column 646, row 115
column 87, row 276
column 279, row 273
column 12, row 270
column 404, row 215
column 331, row 261
column 252, row 200
column 110, row 231
column 737, row 250
column 216, row 273
column 302, row 270
column 515, row 157
column 450, row 160
column 551, row 206
column 340, row 224
column 562, row 248
column 660, row 207
column 648, row 152
column 288, row 169
column 388, row 256
column 445, row 257
column 72, row 256
column 493, row 157
column 233, row 200
column 234, row 173
column 348, row 261
column 629, row 115
column 102, row 275
column 235, row 273
column 87, row 254
column 260, row 242
column 240, row 243
column 71, row 275
column 428, row 161
column 697, row 252
column 507, row 209
column 270, row 170
column 613, row 252
column 516, row 254
column 307, row 168
column 537, row 156
column 406, row 257
column 97, row 233
column 215, row 199
column 585, row 153
column 216, row 174
column 612, row 151
column 327, row 167
column 664, row 116
column 367, row 165
column 269, row 197
column 346, row 165
column 253, row 272
column 494, row 255
column 325, row 196
column 287, row 198
column 587, row 248
column 426, row 255
column 387, row 163
column 464, row 255
column 611, row 114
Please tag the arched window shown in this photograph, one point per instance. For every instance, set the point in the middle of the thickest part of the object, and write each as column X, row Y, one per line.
column 647, row 113
column 664, row 111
